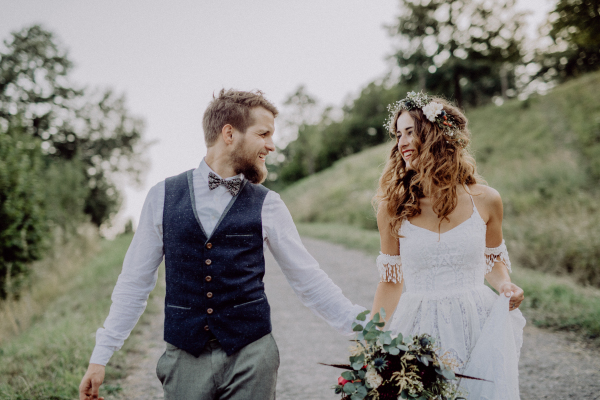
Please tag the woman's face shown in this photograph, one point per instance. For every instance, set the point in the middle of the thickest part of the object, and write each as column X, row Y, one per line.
column 405, row 127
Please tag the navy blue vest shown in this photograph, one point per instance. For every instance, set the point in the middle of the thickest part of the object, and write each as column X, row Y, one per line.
column 214, row 284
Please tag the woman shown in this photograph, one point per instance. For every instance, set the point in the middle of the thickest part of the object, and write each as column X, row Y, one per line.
column 441, row 235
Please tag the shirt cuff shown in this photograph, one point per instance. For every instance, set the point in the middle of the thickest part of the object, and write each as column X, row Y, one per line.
column 101, row 355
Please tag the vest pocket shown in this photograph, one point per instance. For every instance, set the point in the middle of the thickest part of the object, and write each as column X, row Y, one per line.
column 250, row 302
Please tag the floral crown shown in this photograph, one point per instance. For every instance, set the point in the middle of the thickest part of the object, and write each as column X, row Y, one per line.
column 433, row 111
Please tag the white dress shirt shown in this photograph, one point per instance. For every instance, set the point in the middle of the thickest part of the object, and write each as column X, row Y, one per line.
column 140, row 267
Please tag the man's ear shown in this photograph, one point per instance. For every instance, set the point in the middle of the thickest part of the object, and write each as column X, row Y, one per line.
column 227, row 134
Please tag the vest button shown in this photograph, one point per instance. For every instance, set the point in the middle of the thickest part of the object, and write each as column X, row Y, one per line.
column 209, row 245
column 210, row 311
column 208, row 279
column 206, row 328
column 208, row 262
column 209, row 295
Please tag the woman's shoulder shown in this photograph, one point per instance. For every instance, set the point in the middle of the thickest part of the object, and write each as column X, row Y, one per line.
column 486, row 198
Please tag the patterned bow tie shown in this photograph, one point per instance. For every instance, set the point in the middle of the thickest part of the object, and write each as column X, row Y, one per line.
column 233, row 186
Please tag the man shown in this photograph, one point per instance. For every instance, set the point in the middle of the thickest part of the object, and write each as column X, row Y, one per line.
column 211, row 224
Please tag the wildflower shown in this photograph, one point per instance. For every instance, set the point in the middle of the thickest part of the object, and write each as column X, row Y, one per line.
column 432, row 110
column 356, row 350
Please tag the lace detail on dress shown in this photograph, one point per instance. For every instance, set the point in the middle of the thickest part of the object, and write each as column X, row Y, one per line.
column 390, row 268
column 496, row 254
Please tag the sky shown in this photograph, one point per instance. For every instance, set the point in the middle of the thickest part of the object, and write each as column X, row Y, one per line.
column 169, row 57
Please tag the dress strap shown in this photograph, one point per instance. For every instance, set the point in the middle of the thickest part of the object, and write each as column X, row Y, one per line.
column 474, row 206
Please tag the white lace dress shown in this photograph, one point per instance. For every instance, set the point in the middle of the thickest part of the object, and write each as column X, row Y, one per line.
column 445, row 296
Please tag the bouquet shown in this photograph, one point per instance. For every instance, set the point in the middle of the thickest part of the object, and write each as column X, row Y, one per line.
column 383, row 367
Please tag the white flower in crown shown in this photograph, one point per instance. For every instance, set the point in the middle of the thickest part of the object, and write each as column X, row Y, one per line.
column 432, row 110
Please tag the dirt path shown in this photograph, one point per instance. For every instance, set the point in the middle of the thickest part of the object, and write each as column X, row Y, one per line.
column 553, row 365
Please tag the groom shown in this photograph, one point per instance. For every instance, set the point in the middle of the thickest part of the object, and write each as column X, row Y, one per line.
column 210, row 224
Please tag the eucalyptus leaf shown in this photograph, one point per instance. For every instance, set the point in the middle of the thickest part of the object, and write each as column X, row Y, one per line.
column 348, row 375
column 358, row 365
column 362, row 390
column 349, row 388
column 394, row 351
column 360, row 336
column 386, row 338
column 363, row 315
column 403, row 347
column 357, row 327
column 357, row 396
column 375, row 318
column 382, row 312
column 448, row 374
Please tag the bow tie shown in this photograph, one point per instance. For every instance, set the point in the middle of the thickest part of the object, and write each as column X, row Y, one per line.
column 233, row 185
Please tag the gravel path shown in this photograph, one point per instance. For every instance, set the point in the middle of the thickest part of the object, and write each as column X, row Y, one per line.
column 553, row 365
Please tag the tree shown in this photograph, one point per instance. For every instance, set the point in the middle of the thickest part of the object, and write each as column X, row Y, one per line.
column 463, row 49
column 314, row 139
column 574, row 30
column 22, row 219
column 93, row 127
column 301, row 136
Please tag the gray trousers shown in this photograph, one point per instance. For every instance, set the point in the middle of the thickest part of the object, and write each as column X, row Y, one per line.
column 250, row 373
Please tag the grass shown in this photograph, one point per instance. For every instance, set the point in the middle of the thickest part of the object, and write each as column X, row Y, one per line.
column 550, row 302
column 48, row 360
column 542, row 155
column 46, row 282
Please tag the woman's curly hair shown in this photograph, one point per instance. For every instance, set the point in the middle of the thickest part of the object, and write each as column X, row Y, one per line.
column 439, row 165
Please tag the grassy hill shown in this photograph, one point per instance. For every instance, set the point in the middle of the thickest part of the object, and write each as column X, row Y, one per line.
column 541, row 154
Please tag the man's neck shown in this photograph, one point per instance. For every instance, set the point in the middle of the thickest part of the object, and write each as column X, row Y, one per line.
column 220, row 163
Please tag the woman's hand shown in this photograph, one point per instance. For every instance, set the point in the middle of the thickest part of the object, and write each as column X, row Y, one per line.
column 516, row 294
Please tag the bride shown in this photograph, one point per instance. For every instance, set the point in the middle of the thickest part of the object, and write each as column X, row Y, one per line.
column 441, row 236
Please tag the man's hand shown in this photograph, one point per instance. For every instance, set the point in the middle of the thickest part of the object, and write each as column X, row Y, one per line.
column 90, row 384
column 516, row 292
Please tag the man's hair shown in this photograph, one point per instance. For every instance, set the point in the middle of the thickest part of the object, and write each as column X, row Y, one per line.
column 232, row 107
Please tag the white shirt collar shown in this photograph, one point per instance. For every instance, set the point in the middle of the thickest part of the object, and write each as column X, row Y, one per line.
column 204, row 169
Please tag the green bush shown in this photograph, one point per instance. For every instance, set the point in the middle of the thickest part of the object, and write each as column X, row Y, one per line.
column 22, row 219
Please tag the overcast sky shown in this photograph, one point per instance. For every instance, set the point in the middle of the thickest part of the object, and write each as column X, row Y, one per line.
column 168, row 57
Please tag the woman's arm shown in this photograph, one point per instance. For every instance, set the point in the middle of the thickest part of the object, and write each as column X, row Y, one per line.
column 388, row 293
column 498, row 277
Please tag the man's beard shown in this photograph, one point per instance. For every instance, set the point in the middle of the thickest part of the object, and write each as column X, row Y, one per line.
column 245, row 163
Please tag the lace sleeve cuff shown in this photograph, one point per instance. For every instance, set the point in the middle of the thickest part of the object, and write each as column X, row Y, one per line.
column 496, row 254
column 390, row 268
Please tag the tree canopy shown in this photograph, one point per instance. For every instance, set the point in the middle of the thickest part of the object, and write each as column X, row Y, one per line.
column 61, row 148
column 73, row 123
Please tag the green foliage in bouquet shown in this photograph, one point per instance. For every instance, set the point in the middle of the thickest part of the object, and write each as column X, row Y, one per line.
column 384, row 367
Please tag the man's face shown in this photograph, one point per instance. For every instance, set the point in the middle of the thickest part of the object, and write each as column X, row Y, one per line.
column 251, row 148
